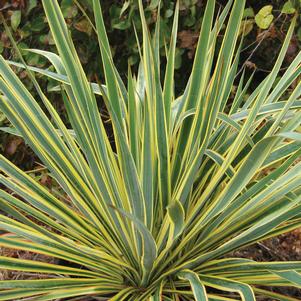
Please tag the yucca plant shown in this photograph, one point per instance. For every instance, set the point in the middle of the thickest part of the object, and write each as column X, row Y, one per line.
column 153, row 214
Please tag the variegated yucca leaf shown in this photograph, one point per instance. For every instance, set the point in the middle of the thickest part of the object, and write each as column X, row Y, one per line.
column 153, row 214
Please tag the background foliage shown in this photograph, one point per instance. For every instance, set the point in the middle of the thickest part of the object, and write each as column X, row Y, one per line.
column 266, row 25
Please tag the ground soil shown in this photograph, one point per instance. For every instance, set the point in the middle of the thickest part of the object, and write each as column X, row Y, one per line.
column 286, row 247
